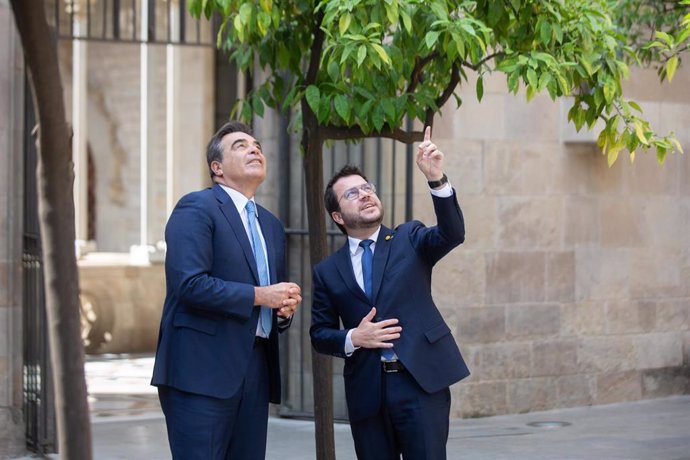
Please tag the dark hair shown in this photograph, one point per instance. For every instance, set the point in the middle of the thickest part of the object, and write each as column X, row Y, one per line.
column 214, row 149
column 329, row 198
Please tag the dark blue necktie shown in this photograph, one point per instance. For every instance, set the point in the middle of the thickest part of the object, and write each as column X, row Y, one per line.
column 367, row 264
column 261, row 264
column 368, row 279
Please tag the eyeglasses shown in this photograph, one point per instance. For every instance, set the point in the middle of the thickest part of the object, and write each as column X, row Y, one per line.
column 353, row 193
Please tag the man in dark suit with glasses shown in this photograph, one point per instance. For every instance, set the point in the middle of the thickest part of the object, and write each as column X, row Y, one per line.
column 400, row 355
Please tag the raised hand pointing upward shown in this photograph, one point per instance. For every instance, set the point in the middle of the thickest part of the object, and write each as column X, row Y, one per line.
column 430, row 158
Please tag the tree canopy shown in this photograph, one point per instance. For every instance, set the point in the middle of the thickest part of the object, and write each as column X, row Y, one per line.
column 364, row 65
column 349, row 69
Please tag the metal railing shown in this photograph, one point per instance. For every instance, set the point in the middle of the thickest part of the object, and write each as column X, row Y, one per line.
column 162, row 22
column 38, row 401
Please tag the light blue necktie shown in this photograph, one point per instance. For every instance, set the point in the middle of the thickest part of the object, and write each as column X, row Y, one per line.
column 261, row 265
column 368, row 278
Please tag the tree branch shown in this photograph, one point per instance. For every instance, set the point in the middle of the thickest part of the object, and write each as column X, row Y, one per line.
column 316, row 50
column 416, row 74
column 450, row 88
column 355, row 132
column 476, row 66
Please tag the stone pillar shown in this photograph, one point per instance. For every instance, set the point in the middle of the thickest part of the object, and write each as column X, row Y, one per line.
column 80, row 130
column 12, row 441
column 151, row 164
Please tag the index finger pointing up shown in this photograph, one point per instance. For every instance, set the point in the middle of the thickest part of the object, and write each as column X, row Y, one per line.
column 427, row 133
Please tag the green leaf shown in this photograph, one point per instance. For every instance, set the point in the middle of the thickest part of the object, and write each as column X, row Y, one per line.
column 313, row 96
column 392, row 12
column 324, row 110
column 389, row 111
column 382, row 53
column 639, row 132
column 545, row 32
column 559, row 32
column 195, row 8
column 439, row 9
column 609, row 90
column 671, row 67
column 342, row 107
column 377, row 117
column 258, row 106
column 361, row 54
column 666, row 38
column 514, row 81
column 406, row 20
column 544, row 80
column 635, row 106
column 532, row 78
column 246, row 12
column 289, row 98
column 344, row 23
column 613, row 151
column 480, row 88
column 364, row 109
column 683, row 35
column 333, row 71
column 431, row 38
column 660, row 154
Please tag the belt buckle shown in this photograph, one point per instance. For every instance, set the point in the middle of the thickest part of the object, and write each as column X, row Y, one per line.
column 392, row 369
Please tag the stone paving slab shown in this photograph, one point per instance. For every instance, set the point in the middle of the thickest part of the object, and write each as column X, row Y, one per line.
column 127, row 424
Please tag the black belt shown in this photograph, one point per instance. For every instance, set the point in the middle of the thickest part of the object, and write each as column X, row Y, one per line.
column 392, row 366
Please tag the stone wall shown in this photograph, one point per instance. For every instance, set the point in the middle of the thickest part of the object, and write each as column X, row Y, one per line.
column 573, row 285
column 11, row 199
column 121, row 304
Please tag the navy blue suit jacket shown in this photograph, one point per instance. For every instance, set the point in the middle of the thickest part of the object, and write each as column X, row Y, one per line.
column 209, row 319
column 403, row 262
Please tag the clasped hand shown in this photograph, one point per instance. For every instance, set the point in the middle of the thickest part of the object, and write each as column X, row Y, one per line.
column 375, row 335
column 284, row 297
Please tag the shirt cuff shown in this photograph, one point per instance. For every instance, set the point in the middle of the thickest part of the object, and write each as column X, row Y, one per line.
column 349, row 347
column 443, row 192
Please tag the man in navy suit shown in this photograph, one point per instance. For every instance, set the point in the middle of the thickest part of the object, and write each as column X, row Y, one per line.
column 216, row 365
column 400, row 356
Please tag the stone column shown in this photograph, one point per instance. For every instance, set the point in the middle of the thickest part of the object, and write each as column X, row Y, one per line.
column 148, row 248
column 80, row 131
column 12, row 441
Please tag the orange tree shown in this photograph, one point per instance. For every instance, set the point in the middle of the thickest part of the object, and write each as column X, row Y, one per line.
column 350, row 69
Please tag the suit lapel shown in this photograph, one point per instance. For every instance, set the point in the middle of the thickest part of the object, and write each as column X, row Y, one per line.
column 343, row 263
column 383, row 247
column 227, row 207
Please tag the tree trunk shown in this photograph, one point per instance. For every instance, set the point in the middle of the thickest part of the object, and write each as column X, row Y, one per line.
column 55, row 176
column 322, row 366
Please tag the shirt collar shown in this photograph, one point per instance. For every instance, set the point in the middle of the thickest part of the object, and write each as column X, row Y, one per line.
column 238, row 199
column 354, row 242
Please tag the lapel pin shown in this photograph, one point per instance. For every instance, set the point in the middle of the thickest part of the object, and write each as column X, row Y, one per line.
column 389, row 237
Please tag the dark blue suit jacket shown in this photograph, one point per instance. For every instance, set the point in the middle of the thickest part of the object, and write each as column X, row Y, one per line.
column 403, row 262
column 209, row 320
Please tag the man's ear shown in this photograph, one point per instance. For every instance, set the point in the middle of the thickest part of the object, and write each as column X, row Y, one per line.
column 217, row 168
column 337, row 217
